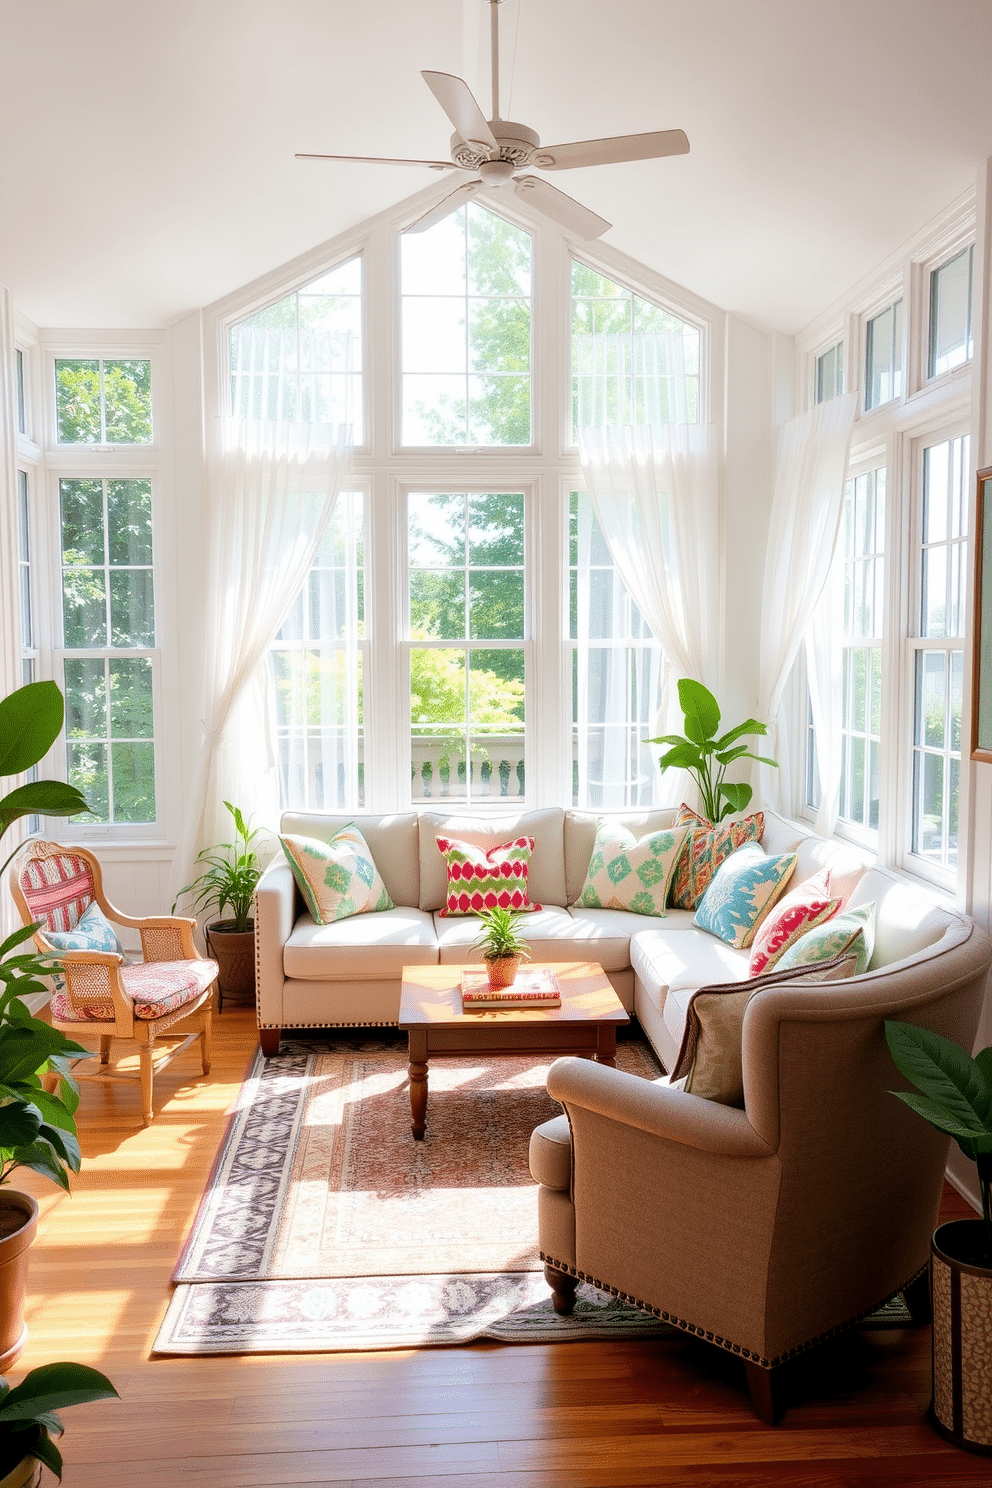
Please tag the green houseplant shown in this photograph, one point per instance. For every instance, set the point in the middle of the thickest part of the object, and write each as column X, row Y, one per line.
column 37, row 1125
column 227, row 886
column 706, row 755
column 503, row 948
column 954, row 1093
column 28, row 1420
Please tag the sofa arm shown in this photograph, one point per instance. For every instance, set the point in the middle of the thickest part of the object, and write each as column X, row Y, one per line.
column 655, row 1109
column 275, row 916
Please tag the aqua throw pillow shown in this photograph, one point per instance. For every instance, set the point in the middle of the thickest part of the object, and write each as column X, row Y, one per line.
column 853, row 930
column 628, row 872
column 741, row 892
column 92, row 932
column 338, row 878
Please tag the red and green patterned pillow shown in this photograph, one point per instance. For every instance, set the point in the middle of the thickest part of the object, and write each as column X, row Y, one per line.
column 807, row 905
column 706, row 847
column 481, row 878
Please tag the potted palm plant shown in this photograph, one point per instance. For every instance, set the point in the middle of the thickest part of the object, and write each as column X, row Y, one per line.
column 706, row 755
column 37, row 1125
column 502, row 947
column 955, row 1096
column 227, row 886
column 28, row 1420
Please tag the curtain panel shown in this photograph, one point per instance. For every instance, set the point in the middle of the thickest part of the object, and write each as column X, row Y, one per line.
column 807, row 505
column 272, row 486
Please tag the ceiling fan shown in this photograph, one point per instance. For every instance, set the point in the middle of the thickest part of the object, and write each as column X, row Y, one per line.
column 497, row 151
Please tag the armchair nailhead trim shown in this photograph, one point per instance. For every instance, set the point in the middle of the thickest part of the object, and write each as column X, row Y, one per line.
column 725, row 1343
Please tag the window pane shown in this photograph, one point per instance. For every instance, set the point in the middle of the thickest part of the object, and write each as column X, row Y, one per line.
column 127, row 390
column 24, row 560
column 943, row 556
column 301, row 358
column 632, row 361
column 87, row 771
column 84, row 608
column 82, row 521
column 77, row 401
column 85, row 699
column 830, row 373
column 131, row 698
column 129, row 521
column 132, row 615
column 883, row 357
column 466, row 320
column 134, row 782
column 950, row 313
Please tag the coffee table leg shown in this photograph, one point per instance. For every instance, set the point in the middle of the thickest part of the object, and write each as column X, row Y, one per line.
column 606, row 1044
column 418, row 1083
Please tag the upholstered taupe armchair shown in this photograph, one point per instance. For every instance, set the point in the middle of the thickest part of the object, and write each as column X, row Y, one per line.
column 764, row 1229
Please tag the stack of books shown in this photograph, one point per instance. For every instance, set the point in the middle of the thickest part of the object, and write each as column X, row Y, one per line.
column 535, row 987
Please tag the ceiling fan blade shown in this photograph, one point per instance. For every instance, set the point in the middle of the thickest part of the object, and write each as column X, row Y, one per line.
column 560, row 208
column 455, row 97
column 611, row 151
column 445, row 206
column 377, row 160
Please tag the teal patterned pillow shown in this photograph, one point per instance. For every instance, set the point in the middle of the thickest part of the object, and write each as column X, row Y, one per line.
column 741, row 892
column 337, row 878
column 92, row 932
column 852, row 929
column 626, row 872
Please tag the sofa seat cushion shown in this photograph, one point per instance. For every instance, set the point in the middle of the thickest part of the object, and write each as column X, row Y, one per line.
column 605, row 934
column 672, row 962
column 373, row 946
column 549, row 932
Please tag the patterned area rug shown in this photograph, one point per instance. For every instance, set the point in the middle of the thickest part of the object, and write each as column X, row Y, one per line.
column 325, row 1227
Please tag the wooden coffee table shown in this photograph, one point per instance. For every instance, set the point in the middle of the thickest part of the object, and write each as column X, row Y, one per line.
column 431, row 1013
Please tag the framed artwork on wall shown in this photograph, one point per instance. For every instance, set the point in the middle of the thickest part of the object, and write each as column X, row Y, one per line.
column 981, row 688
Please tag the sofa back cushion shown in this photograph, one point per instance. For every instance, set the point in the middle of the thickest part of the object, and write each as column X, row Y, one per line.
column 906, row 921
column 847, row 865
column 580, row 839
column 546, row 870
column 392, row 841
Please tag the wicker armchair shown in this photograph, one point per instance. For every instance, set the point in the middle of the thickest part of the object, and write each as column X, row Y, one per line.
column 169, row 992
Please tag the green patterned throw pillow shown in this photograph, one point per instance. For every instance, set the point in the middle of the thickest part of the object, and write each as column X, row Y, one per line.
column 626, row 872
column 337, row 878
column 852, row 930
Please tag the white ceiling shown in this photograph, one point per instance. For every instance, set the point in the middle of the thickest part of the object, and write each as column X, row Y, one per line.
column 146, row 153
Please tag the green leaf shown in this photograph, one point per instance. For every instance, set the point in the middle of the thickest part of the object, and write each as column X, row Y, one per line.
column 41, row 1158
column 749, row 726
column 949, row 1077
column 65, row 1144
column 20, row 1124
column 30, row 722
column 53, row 1387
column 736, row 795
column 682, row 757
column 670, row 739
column 41, row 798
column 727, row 756
column 23, row 1050
column 17, row 938
column 702, row 715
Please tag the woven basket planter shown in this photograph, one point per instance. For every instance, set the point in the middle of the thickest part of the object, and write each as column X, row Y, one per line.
column 962, row 1336
column 234, row 952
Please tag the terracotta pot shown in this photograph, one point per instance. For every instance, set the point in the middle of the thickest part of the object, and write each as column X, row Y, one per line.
column 234, row 952
column 18, row 1223
column 27, row 1474
column 502, row 970
column 961, row 1283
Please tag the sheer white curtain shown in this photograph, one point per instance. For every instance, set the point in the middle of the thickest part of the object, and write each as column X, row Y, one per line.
column 805, row 520
column 271, row 489
column 654, row 487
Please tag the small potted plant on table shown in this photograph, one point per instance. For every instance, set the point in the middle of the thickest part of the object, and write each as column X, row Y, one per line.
column 956, row 1098
column 231, row 872
column 502, row 947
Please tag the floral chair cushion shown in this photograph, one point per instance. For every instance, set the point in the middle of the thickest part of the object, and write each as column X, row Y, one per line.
column 155, row 988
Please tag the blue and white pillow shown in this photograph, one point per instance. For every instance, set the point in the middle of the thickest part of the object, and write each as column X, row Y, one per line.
column 92, row 932
column 741, row 892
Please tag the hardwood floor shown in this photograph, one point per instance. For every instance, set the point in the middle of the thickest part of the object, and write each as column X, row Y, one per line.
column 582, row 1415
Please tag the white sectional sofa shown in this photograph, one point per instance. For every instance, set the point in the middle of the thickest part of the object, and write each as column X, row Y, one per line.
column 349, row 972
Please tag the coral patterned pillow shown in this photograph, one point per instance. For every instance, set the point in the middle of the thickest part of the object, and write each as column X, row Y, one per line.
column 481, row 878
column 806, row 905
column 705, row 850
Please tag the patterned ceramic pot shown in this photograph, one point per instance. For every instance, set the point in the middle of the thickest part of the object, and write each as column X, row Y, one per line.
column 502, row 970
column 962, row 1335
